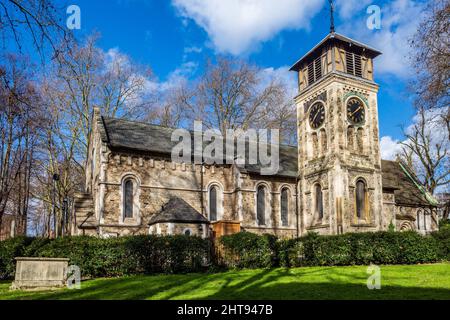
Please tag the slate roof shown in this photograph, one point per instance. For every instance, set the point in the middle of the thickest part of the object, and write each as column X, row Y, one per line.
column 136, row 135
column 406, row 192
column 144, row 137
column 177, row 210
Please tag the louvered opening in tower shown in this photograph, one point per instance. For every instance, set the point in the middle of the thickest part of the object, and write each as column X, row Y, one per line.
column 315, row 70
column 311, row 78
column 350, row 63
column 358, row 67
column 318, row 68
column 354, row 64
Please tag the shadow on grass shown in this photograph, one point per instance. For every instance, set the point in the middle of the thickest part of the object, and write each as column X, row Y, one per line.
column 276, row 284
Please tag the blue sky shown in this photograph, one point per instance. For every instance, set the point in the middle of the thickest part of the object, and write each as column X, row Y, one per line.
column 174, row 37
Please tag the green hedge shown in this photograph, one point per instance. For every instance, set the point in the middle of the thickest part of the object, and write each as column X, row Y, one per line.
column 253, row 251
column 443, row 238
column 112, row 257
column 248, row 250
column 180, row 254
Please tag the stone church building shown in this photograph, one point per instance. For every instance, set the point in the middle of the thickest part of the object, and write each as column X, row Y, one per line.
column 334, row 181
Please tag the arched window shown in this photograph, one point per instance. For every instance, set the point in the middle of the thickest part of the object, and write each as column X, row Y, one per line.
column 261, row 205
column 418, row 219
column 318, row 201
column 213, row 203
column 284, row 207
column 128, row 199
column 425, row 220
column 360, row 199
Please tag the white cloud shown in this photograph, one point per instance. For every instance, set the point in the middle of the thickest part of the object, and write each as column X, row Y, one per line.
column 347, row 8
column 389, row 148
column 192, row 50
column 237, row 26
column 177, row 77
column 283, row 75
column 399, row 22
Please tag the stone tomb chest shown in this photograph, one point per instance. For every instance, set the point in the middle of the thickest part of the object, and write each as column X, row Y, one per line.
column 40, row 273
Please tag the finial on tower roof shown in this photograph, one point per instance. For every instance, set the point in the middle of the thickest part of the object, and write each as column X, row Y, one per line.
column 332, row 29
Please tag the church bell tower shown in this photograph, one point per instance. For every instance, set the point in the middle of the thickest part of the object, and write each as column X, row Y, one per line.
column 339, row 164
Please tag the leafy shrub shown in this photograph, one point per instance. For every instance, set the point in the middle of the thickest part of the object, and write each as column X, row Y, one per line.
column 112, row 257
column 442, row 237
column 180, row 254
column 249, row 250
column 9, row 249
column 359, row 249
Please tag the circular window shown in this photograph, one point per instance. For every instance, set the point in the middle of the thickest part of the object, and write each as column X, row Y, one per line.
column 187, row 232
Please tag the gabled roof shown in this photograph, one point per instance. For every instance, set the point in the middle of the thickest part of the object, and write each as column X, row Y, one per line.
column 177, row 210
column 408, row 191
column 136, row 135
column 149, row 138
column 335, row 37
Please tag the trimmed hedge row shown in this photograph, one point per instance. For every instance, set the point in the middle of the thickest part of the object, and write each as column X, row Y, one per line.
column 180, row 254
column 443, row 237
column 112, row 257
column 360, row 249
column 246, row 250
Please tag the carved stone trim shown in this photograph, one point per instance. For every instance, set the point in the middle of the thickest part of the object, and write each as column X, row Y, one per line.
column 322, row 97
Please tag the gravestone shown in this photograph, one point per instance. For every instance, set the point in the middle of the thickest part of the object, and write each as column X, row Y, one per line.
column 40, row 273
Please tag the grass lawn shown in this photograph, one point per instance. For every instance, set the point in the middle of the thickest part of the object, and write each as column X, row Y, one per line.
column 397, row 282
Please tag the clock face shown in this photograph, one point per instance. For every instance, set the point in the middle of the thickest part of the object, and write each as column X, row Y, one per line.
column 317, row 115
column 355, row 111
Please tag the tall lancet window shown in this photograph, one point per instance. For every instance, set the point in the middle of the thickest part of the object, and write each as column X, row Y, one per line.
column 318, row 201
column 418, row 219
column 213, row 203
column 284, row 207
column 261, row 205
column 360, row 199
column 128, row 199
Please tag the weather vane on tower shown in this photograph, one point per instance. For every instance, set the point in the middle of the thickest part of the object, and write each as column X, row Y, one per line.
column 332, row 29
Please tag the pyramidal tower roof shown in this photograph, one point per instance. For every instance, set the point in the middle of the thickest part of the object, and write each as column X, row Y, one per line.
column 334, row 38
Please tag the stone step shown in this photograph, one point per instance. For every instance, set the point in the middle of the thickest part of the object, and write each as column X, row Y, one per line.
column 84, row 210
column 82, row 195
column 83, row 203
column 83, row 198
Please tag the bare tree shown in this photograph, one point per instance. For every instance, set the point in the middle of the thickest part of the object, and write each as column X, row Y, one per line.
column 82, row 77
column 282, row 115
column 86, row 77
column 427, row 148
column 19, row 119
column 166, row 108
column 431, row 59
column 32, row 20
column 230, row 95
